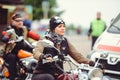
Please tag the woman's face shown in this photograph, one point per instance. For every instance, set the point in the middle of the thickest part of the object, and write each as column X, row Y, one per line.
column 60, row 29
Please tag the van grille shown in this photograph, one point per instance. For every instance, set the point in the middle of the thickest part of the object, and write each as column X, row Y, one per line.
column 108, row 66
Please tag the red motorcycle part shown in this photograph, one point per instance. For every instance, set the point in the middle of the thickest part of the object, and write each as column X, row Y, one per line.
column 33, row 35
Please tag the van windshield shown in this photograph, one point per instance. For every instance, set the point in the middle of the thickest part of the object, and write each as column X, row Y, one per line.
column 115, row 28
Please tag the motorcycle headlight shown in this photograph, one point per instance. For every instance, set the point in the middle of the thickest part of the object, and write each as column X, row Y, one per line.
column 95, row 74
column 96, row 78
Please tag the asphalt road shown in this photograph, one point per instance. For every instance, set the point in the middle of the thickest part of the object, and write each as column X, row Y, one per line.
column 81, row 43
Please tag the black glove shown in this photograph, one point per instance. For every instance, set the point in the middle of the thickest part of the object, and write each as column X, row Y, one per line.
column 91, row 63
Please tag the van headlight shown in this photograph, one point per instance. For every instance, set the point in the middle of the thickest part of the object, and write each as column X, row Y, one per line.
column 95, row 74
column 113, row 60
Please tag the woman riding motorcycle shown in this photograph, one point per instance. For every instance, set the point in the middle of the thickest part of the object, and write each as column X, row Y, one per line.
column 49, row 71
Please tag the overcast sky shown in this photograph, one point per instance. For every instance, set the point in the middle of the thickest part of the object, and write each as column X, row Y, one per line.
column 83, row 11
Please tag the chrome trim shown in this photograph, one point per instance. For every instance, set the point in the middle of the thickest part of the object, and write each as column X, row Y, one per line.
column 112, row 72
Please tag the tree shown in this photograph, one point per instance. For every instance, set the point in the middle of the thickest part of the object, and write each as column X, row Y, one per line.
column 37, row 8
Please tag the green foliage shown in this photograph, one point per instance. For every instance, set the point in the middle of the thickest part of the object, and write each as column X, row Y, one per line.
column 37, row 8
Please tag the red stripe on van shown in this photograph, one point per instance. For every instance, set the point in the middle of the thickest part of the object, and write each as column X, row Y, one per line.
column 108, row 47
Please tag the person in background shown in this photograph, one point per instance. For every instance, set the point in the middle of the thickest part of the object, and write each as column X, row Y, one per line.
column 11, row 48
column 56, row 35
column 27, row 22
column 97, row 27
column 78, row 31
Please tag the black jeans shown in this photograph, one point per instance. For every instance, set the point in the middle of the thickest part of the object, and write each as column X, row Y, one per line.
column 42, row 77
column 94, row 38
column 11, row 59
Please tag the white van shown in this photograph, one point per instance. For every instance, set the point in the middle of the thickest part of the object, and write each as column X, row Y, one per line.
column 107, row 49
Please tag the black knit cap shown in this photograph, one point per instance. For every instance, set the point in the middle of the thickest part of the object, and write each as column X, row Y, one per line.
column 16, row 16
column 54, row 22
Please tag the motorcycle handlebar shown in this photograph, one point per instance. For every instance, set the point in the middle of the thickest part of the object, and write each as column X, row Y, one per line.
column 57, row 58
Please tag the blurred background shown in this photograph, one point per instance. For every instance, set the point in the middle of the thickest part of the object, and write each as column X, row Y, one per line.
column 76, row 13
